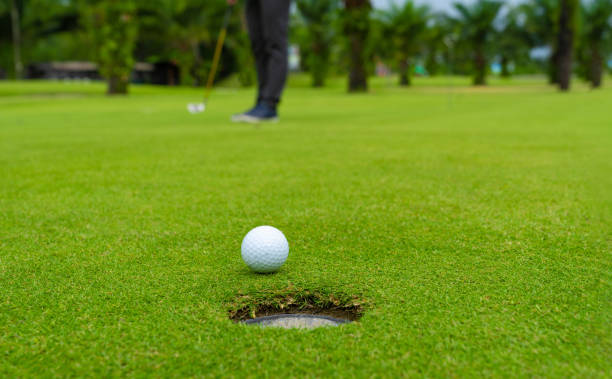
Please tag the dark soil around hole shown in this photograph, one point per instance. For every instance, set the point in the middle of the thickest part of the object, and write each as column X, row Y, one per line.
column 294, row 300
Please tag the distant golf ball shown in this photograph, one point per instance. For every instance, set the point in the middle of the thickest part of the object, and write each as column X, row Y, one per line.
column 196, row 107
column 192, row 108
column 265, row 249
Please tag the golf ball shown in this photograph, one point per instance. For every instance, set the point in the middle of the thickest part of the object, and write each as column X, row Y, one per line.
column 192, row 108
column 265, row 249
column 196, row 107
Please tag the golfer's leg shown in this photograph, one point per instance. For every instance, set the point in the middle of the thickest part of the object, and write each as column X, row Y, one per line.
column 256, row 34
column 275, row 17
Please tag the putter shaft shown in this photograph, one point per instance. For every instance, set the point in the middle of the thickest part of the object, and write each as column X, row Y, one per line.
column 217, row 55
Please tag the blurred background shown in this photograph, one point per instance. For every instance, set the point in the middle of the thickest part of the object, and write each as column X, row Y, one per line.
column 171, row 42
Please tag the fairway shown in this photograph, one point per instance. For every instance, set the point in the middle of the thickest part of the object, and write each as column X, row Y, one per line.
column 472, row 225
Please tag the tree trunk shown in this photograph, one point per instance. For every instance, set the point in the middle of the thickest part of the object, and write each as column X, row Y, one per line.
column 357, row 28
column 432, row 64
column 596, row 67
column 566, row 42
column 318, row 71
column 318, row 80
column 318, row 77
column 505, row 70
column 358, row 78
column 480, row 68
column 318, row 66
column 553, row 76
column 117, row 86
column 16, row 28
column 404, row 72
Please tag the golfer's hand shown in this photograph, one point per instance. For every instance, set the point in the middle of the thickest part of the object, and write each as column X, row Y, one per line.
column 231, row 2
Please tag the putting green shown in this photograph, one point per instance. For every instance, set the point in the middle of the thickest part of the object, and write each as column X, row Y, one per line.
column 475, row 226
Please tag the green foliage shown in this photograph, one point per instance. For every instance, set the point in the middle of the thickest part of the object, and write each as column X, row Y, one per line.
column 477, row 19
column 240, row 45
column 541, row 25
column 356, row 16
column 6, row 53
column 540, row 21
column 41, row 21
column 595, row 41
column 113, row 26
column 334, row 37
column 598, row 30
column 405, row 26
column 188, row 30
column 512, row 41
column 476, row 22
column 439, row 41
column 317, row 17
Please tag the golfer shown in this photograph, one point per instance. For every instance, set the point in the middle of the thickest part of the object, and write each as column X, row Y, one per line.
column 268, row 24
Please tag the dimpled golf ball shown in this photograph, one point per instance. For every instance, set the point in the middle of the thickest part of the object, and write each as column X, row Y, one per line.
column 265, row 249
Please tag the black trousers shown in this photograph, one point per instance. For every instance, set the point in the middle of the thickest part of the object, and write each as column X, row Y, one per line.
column 268, row 23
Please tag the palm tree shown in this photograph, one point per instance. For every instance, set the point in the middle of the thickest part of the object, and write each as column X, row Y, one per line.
column 597, row 32
column 406, row 26
column 187, row 29
column 568, row 13
column 511, row 41
column 317, row 15
column 477, row 21
column 113, row 27
column 356, row 25
column 438, row 40
column 541, row 26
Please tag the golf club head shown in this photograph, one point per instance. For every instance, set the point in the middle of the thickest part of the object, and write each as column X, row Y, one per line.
column 195, row 108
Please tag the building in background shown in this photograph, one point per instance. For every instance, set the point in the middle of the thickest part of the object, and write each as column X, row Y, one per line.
column 162, row 73
column 63, row 70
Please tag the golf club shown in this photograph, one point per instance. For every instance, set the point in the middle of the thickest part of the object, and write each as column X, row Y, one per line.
column 201, row 107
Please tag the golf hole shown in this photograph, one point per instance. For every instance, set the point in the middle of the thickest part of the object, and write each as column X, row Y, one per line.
column 296, row 308
column 296, row 321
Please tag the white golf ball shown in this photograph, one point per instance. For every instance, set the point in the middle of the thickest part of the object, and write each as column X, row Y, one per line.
column 265, row 249
column 194, row 108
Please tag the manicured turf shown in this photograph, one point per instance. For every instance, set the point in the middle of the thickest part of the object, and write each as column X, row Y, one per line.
column 477, row 227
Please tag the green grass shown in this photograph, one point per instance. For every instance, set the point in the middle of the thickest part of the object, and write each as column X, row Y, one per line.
column 477, row 226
